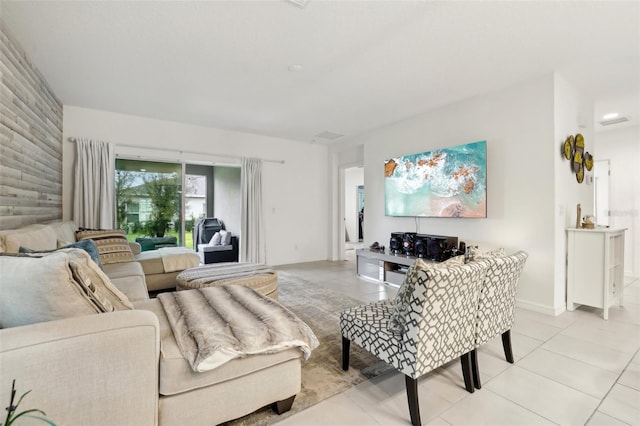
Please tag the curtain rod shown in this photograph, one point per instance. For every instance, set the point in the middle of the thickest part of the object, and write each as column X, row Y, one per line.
column 190, row 152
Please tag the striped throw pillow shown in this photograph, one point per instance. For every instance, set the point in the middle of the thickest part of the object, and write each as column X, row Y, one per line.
column 112, row 244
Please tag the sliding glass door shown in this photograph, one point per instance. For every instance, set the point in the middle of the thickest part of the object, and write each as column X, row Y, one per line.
column 198, row 197
column 149, row 202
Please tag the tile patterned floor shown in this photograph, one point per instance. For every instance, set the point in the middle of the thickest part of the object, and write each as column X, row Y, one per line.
column 573, row 369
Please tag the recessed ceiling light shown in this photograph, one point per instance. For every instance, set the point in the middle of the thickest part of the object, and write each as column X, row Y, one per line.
column 610, row 115
column 615, row 120
column 295, row 68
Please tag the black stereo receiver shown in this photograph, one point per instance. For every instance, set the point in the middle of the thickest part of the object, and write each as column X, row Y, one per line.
column 440, row 247
column 432, row 247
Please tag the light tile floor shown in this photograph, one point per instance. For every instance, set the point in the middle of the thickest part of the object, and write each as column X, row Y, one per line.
column 573, row 369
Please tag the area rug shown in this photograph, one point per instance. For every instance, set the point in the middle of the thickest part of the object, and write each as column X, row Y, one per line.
column 322, row 374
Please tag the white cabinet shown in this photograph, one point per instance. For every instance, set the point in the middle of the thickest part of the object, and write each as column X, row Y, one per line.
column 595, row 268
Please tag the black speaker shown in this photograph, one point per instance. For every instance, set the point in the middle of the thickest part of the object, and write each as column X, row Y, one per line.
column 408, row 241
column 420, row 246
column 395, row 242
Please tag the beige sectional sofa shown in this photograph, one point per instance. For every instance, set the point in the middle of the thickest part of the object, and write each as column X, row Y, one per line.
column 125, row 367
column 148, row 266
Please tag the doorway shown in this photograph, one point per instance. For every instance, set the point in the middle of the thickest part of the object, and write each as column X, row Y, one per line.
column 601, row 191
column 212, row 191
column 354, row 210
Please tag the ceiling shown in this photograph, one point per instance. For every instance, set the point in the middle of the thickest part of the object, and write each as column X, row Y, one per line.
column 362, row 64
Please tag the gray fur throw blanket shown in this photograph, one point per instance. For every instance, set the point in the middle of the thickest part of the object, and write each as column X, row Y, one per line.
column 214, row 325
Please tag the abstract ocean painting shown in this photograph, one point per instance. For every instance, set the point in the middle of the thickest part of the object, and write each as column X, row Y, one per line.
column 448, row 182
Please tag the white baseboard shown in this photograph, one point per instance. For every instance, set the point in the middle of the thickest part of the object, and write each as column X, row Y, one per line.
column 543, row 309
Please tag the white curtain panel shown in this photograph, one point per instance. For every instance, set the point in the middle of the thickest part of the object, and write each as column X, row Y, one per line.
column 94, row 190
column 251, row 229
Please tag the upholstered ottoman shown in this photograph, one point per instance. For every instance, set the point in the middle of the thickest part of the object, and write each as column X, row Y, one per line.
column 260, row 277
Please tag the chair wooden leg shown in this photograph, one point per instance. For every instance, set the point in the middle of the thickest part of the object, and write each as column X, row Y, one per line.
column 346, row 343
column 465, row 360
column 284, row 405
column 506, row 344
column 412, row 398
column 474, row 369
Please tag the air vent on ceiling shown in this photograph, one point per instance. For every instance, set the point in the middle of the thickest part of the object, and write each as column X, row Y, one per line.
column 329, row 135
column 615, row 120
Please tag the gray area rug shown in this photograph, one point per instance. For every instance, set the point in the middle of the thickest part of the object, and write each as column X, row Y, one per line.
column 322, row 375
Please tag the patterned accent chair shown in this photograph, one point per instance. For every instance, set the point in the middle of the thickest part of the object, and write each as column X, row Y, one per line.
column 430, row 323
column 497, row 304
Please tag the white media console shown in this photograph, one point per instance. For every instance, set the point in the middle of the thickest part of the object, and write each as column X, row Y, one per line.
column 383, row 266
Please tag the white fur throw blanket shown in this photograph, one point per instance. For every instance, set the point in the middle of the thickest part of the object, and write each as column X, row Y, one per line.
column 217, row 324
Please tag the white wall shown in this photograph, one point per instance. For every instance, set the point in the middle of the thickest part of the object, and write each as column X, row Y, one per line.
column 622, row 149
column 522, row 147
column 573, row 115
column 353, row 177
column 295, row 193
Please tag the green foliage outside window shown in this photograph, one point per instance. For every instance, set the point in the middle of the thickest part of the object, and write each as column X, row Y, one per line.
column 164, row 193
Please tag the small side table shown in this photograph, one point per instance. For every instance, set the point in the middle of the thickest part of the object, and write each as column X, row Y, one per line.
column 595, row 268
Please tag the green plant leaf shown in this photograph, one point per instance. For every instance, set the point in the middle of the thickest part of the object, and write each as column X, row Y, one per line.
column 33, row 410
column 21, row 398
column 43, row 419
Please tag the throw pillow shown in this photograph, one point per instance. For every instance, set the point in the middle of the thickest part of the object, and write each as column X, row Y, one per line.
column 215, row 239
column 226, row 239
column 99, row 279
column 38, row 237
column 402, row 301
column 94, row 294
column 87, row 245
column 112, row 244
column 38, row 289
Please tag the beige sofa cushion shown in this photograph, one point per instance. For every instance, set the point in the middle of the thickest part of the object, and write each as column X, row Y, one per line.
column 65, row 231
column 38, row 289
column 133, row 286
column 151, row 262
column 176, row 375
column 129, row 278
column 35, row 237
column 112, row 244
column 120, row 270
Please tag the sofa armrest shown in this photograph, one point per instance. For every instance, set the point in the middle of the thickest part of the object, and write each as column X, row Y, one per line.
column 97, row 369
column 136, row 248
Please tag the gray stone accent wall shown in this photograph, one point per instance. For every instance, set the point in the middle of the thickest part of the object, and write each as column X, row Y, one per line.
column 30, row 141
